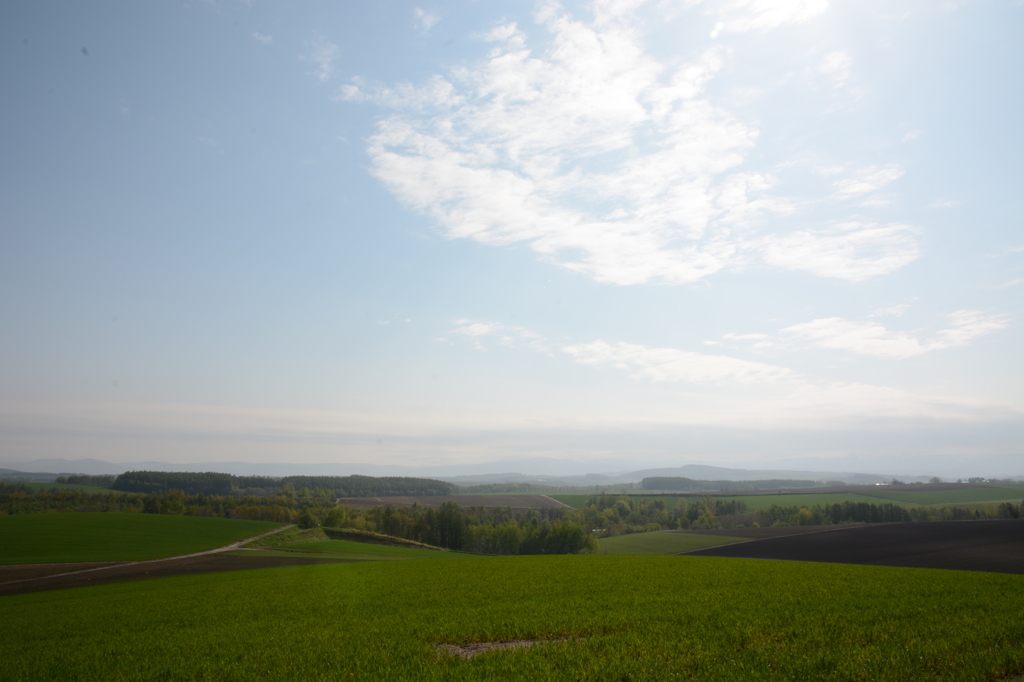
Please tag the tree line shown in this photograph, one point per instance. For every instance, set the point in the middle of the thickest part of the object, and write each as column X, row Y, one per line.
column 610, row 515
column 211, row 483
column 472, row 529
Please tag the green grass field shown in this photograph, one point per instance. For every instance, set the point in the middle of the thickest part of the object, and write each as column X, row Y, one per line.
column 661, row 542
column 580, row 501
column 638, row 617
column 105, row 536
column 753, row 502
column 366, row 548
column 757, row 502
column 962, row 496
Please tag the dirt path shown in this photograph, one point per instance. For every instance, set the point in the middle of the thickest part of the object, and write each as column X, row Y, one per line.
column 563, row 505
column 124, row 564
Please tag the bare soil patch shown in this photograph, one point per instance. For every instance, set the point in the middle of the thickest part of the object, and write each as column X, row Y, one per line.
column 28, row 571
column 207, row 563
column 468, row 651
column 516, row 502
column 995, row 546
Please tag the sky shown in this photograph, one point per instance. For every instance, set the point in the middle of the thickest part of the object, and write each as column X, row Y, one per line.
column 749, row 233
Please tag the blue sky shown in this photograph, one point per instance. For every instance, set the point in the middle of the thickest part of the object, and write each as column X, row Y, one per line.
column 746, row 233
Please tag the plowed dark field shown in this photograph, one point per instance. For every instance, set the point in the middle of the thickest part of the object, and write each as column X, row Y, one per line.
column 996, row 546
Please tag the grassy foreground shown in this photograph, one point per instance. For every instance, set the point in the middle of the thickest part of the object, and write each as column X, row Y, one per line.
column 108, row 536
column 641, row 617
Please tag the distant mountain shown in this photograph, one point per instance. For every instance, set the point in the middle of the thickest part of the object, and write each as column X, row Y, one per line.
column 701, row 472
column 556, row 472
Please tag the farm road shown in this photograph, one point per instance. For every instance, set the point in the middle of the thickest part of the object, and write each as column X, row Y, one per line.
column 994, row 546
column 43, row 578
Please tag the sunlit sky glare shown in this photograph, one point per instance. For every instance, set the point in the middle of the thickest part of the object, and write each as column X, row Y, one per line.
column 762, row 233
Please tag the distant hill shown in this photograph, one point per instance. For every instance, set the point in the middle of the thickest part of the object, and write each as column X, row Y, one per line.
column 543, row 471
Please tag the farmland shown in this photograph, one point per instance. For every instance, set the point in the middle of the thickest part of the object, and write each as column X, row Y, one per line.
column 521, row 502
column 906, row 496
column 968, row 545
column 51, row 538
column 384, row 620
column 661, row 542
column 348, row 547
column 963, row 496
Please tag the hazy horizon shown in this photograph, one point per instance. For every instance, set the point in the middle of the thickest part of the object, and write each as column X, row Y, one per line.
column 762, row 234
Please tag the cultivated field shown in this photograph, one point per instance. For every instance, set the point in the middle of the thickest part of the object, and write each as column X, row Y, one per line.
column 106, row 536
column 365, row 549
column 661, row 542
column 967, row 545
column 620, row 617
column 515, row 501
column 993, row 493
column 902, row 495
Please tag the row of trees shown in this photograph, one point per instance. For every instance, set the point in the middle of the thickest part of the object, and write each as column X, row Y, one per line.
column 211, row 483
column 473, row 529
column 101, row 481
column 607, row 515
column 483, row 530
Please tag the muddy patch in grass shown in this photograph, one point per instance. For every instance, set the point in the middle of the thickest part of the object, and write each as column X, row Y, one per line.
column 468, row 651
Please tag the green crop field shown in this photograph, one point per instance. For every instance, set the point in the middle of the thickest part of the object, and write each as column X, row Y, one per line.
column 106, row 536
column 624, row 618
column 580, row 501
column 366, row 548
column 660, row 542
column 756, row 502
column 962, row 496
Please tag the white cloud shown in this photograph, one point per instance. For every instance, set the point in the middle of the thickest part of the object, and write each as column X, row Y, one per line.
column 836, row 65
column 263, row 39
column 322, row 53
column 507, row 335
column 867, row 180
column 896, row 310
column 740, row 16
column 604, row 160
column 671, row 364
column 425, row 20
column 872, row 338
column 944, row 203
column 852, row 251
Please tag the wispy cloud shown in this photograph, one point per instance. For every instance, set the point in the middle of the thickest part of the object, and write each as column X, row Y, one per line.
column 263, row 39
column 769, row 394
column 895, row 311
column 606, row 161
column 868, row 180
column 671, row 364
column 322, row 53
column 507, row 335
column 836, row 65
column 874, row 339
column 740, row 16
column 851, row 251
column 424, row 20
